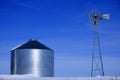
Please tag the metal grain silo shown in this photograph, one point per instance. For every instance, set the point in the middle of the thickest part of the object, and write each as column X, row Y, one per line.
column 34, row 58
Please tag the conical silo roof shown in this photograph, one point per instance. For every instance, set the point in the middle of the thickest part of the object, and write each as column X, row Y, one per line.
column 31, row 44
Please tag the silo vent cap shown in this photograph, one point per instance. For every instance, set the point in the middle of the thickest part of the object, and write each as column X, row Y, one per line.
column 33, row 39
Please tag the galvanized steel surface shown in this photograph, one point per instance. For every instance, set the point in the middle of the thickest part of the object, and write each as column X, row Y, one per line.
column 33, row 61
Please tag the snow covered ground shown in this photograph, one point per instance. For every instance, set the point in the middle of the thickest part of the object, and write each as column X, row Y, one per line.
column 32, row 77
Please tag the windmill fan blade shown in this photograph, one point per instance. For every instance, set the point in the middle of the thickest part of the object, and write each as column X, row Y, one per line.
column 106, row 16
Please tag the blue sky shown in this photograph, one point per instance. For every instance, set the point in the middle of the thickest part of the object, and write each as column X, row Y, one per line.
column 63, row 25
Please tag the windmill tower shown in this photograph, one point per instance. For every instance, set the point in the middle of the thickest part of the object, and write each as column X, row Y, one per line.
column 97, row 63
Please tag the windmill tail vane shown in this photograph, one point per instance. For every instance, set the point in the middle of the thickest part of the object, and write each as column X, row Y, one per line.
column 106, row 16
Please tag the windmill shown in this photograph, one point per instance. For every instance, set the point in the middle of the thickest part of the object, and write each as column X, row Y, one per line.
column 97, row 64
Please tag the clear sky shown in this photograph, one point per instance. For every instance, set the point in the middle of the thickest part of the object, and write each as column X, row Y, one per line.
column 62, row 25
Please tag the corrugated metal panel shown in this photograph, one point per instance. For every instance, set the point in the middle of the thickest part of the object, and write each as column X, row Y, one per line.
column 32, row 61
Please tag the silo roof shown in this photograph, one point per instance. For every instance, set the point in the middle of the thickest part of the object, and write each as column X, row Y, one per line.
column 32, row 44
